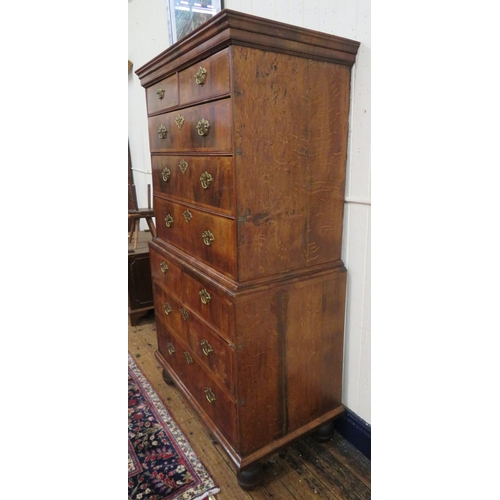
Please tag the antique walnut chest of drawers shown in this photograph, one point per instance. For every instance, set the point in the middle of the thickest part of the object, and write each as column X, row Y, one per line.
column 248, row 122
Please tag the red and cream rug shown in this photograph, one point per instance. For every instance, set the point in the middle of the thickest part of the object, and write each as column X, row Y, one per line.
column 161, row 462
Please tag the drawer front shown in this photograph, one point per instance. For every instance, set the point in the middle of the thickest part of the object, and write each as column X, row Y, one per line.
column 203, row 128
column 207, row 237
column 218, row 405
column 214, row 307
column 206, row 79
column 205, row 181
column 211, row 351
column 163, row 95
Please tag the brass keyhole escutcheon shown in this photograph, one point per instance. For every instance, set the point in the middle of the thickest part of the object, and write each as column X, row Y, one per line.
column 167, row 308
column 203, row 126
column 206, row 347
column 183, row 166
column 160, row 93
column 206, row 179
column 188, row 357
column 165, row 174
column 179, row 120
column 210, row 395
column 185, row 314
column 187, row 215
column 162, row 132
column 169, row 220
column 200, row 76
column 208, row 237
column 205, row 296
column 170, row 348
column 164, row 267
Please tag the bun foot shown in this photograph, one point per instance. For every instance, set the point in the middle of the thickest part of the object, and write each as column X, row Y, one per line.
column 324, row 432
column 250, row 477
column 166, row 377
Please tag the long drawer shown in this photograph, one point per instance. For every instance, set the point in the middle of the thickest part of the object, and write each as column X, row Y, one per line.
column 210, row 349
column 205, row 128
column 206, row 181
column 216, row 402
column 208, row 237
column 202, row 297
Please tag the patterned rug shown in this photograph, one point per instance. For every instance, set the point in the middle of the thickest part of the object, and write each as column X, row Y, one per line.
column 161, row 462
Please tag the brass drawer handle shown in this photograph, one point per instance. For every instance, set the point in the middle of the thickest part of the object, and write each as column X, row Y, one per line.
column 187, row 215
column 210, row 395
column 164, row 267
column 167, row 308
column 188, row 357
column 208, row 237
column 206, row 179
column 160, row 93
column 162, row 132
column 170, row 348
column 169, row 220
column 165, row 175
column 203, row 126
column 185, row 314
column 205, row 296
column 200, row 76
column 206, row 347
column 179, row 120
column 183, row 166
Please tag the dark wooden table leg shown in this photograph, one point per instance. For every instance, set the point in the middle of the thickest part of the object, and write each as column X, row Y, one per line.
column 250, row 477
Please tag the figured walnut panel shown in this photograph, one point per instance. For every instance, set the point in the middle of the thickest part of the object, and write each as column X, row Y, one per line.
column 187, row 186
column 290, row 145
column 216, row 79
column 218, row 311
column 163, row 95
column 188, row 236
column 187, row 138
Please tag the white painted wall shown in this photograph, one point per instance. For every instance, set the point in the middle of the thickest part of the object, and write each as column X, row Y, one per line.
column 148, row 36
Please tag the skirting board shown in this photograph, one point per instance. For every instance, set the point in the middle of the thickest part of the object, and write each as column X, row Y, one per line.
column 355, row 430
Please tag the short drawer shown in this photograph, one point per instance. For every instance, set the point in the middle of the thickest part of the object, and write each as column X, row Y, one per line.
column 213, row 352
column 203, row 128
column 163, row 95
column 207, row 237
column 206, row 79
column 216, row 402
column 202, row 297
column 205, row 181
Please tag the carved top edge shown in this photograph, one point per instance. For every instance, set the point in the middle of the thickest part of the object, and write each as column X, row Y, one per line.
column 231, row 27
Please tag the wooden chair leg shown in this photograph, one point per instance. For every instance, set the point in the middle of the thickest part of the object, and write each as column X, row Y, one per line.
column 136, row 239
column 131, row 232
column 151, row 225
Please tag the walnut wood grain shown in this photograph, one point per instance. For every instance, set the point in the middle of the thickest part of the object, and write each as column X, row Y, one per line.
column 188, row 236
column 216, row 83
column 277, row 100
column 186, row 286
column 187, row 186
column 170, row 97
column 237, row 28
column 289, row 161
column 187, row 139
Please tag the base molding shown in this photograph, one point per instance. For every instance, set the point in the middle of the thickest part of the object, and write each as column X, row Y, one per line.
column 355, row 430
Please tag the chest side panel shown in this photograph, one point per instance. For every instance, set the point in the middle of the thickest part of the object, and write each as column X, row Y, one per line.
column 290, row 138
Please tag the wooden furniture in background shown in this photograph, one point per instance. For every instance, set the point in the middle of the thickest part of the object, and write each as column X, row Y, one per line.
column 140, row 289
column 136, row 214
column 248, row 122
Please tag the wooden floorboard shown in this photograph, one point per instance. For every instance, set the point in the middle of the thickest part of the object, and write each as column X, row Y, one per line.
column 306, row 469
